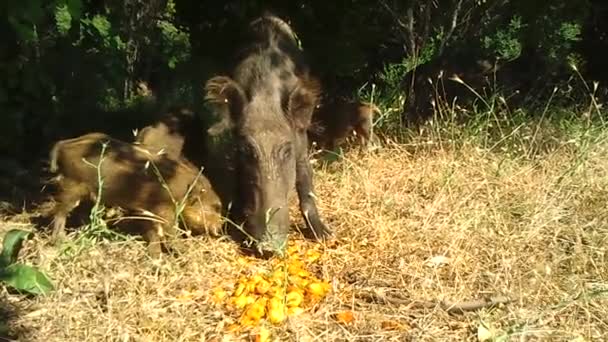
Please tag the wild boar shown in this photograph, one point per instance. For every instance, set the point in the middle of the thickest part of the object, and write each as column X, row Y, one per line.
column 267, row 105
column 437, row 86
column 333, row 122
column 131, row 179
column 178, row 133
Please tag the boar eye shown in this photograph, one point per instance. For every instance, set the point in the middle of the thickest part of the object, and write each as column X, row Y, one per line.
column 285, row 151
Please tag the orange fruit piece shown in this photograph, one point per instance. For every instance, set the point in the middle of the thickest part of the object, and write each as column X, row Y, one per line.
column 247, row 321
column 262, row 287
column 344, row 317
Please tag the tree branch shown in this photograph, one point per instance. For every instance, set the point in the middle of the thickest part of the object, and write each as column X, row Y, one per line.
column 453, row 24
column 406, row 29
column 449, row 307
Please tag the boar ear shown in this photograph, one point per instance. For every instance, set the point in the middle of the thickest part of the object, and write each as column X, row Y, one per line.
column 228, row 99
column 303, row 101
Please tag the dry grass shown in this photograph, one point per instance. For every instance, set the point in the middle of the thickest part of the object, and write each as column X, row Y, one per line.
column 533, row 230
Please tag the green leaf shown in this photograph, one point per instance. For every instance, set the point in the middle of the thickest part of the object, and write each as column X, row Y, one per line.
column 11, row 245
column 102, row 25
column 26, row 32
column 26, row 278
column 172, row 62
column 63, row 18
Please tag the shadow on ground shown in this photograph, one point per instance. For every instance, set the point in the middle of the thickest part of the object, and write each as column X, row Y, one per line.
column 10, row 329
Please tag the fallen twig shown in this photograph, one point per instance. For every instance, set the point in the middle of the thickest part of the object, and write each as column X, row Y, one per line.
column 449, row 307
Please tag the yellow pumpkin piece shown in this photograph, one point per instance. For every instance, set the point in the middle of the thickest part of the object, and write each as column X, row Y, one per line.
column 294, row 288
column 294, row 298
column 304, row 282
column 272, row 291
column 277, row 274
column 247, row 321
column 276, row 291
column 292, row 250
column 318, row 289
column 276, row 312
column 242, row 301
column 295, row 280
column 312, row 255
column 294, row 268
column 303, row 274
column 219, row 295
column 239, row 289
column 275, row 302
column 278, row 283
column 257, row 309
column 294, row 311
column 262, row 287
column 263, row 335
column 250, row 287
column 257, row 278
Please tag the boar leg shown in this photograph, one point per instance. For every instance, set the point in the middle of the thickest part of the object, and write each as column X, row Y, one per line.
column 363, row 135
column 168, row 231
column 364, row 128
column 304, row 187
column 69, row 197
column 152, row 237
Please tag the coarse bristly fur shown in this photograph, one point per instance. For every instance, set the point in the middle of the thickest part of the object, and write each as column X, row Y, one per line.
column 335, row 120
column 267, row 104
column 130, row 182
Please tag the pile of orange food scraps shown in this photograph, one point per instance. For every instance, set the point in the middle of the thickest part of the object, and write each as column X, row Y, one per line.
column 288, row 289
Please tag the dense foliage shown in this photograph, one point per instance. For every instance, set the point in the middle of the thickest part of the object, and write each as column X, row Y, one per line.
column 68, row 66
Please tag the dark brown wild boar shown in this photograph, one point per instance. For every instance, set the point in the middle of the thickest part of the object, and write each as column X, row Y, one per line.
column 130, row 182
column 333, row 122
column 441, row 85
column 267, row 104
column 178, row 133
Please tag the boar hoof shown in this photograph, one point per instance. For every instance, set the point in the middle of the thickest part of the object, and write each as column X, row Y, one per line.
column 57, row 239
column 319, row 230
column 322, row 232
column 155, row 250
column 58, row 234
